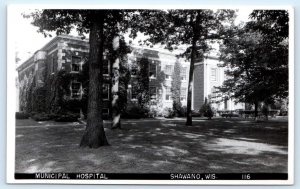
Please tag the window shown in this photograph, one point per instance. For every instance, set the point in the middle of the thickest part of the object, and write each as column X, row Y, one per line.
column 134, row 70
column 152, row 69
column 168, row 93
column 152, row 91
column 105, row 111
column 213, row 93
column 183, row 73
column 135, row 67
column 105, row 95
column 134, row 90
column 213, row 74
column 76, row 64
column 105, row 67
column 133, row 93
column 183, row 94
column 52, row 65
column 75, row 89
column 168, row 71
column 226, row 103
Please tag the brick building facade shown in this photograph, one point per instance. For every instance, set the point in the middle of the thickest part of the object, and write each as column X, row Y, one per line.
column 70, row 54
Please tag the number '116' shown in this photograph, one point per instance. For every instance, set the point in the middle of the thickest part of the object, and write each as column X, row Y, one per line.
column 246, row 176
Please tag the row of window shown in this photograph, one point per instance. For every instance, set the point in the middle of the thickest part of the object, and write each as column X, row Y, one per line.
column 153, row 92
column 76, row 66
column 169, row 71
column 168, row 95
column 76, row 92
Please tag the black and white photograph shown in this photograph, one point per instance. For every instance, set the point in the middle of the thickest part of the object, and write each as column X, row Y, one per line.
column 159, row 95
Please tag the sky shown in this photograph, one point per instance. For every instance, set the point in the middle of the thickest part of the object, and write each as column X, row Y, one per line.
column 27, row 41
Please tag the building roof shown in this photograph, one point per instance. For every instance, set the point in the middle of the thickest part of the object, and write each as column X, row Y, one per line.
column 47, row 46
column 60, row 37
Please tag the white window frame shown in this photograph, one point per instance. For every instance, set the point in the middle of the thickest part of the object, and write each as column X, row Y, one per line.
column 79, row 63
column 108, row 67
column 170, row 94
column 105, row 84
column 213, row 70
column 132, row 99
column 131, row 75
column 169, row 74
column 184, row 94
column 153, row 62
column 155, row 93
column 185, row 68
column 212, row 92
column 80, row 90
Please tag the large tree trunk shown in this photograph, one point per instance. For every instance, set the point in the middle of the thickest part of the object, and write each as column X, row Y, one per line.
column 196, row 33
column 94, row 135
column 116, row 115
column 190, row 85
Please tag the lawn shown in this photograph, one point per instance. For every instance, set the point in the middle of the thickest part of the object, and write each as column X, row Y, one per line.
column 157, row 146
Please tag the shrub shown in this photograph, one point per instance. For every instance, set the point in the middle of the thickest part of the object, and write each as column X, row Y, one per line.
column 168, row 112
column 135, row 112
column 265, row 110
column 182, row 111
column 22, row 115
column 196, row 113
column 153, row 112
column 31, row 114
column 53, row 116
column 283, row 113
column 230, row 115
column 41, row 117
column 176, row 108
column 67, row 117
column 179, row 111
column 206, row 111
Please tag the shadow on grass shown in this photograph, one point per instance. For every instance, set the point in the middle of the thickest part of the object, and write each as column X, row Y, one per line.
column 158, row 146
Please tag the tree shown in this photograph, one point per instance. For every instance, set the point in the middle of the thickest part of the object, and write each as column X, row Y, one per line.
column 115, row 67
column 235, row 51
column 192, row 28
column 119, row 79
column 273, row 25
column 142, row 83
column 94, row 135
column 257, row 55
column 176, row 88
column 101, row 27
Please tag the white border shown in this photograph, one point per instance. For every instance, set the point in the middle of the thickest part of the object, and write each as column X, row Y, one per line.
column 11, row 100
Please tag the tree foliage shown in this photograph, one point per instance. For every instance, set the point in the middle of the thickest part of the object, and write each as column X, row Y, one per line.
column 257, row 57
column 102, row 26
column 142, row 82
column 190, row 28
column 176, row 88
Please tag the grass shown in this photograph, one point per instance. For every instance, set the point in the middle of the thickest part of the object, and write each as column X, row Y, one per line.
column 30, row 122
column 157, row 146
